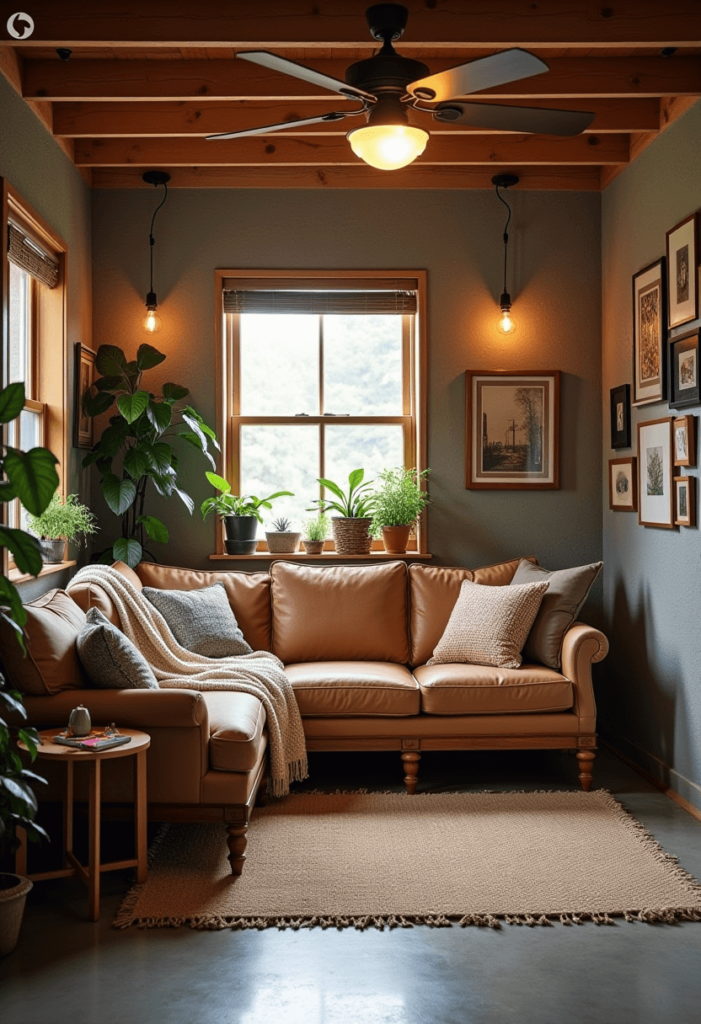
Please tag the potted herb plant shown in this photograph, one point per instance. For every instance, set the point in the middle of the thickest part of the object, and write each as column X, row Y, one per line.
column 240, row 513
column 31, row 477
column 399, row 501
column 315, row 531
column 281, row 540
column 351, row 527
column 61, row 522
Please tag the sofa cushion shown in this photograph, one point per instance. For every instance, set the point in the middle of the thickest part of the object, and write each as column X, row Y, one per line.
column 236, row 730
column 248, row 593
column 434, row 589
column 110, row 658
column 479, row 690
column 200, row 620
column 333, row 688
column 51, row 663
column 567, row 591
column 91, row 595
column 340, row 612
column 489, row 625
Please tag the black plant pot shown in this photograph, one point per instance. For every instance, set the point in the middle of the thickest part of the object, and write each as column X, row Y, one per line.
column 240, row 534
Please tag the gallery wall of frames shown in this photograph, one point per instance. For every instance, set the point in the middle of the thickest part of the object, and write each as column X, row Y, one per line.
column 655, row 482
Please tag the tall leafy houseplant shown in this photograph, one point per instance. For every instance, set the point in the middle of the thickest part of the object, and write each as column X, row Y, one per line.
column 137, row 439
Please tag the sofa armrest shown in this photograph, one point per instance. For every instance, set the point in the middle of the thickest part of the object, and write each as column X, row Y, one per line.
column 581, row 648
column 133, row 709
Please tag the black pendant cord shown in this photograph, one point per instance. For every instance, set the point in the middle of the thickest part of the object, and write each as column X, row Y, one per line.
column 152, row 240
column 506, row 232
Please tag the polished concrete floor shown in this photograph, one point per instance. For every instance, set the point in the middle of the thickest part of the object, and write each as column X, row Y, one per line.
column 69, row 971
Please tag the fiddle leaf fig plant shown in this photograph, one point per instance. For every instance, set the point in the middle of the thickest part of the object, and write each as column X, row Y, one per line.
column 136, row 449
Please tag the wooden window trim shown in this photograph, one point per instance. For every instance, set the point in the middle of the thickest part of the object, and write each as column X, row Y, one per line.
column 415, row 380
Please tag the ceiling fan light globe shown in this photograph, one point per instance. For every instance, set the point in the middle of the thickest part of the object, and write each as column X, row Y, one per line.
column 388, row 146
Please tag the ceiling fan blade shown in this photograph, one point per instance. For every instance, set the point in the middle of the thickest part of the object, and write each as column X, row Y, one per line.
column 533, row 120
column 290, row 67
column 478, row 75
column 335, row 116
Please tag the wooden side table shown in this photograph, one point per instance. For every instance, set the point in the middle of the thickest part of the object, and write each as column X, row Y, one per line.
column 140, row 742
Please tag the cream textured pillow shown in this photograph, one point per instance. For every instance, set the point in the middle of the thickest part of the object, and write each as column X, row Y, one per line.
column 489, row 625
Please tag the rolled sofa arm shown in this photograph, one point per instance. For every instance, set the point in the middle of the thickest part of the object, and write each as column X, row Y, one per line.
column 583, row 646
column 133, row 709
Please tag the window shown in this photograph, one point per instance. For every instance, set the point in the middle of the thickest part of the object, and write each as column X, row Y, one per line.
column 324, row 377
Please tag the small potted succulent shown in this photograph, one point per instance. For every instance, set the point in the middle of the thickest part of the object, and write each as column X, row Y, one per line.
column 62, row 521
column 351, row 527
column 240, row 514
column 399, row 501
column 281, row 540
column 315, row 531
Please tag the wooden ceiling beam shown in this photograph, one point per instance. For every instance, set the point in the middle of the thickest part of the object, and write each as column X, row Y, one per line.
column 292, row 151
column 205, row 80
column 209, row 23
column 154, row 120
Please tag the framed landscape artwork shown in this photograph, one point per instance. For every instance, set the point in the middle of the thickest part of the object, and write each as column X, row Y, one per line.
column 682, row 275
column 513, row 430
column 685, row 503
column 649, row 330
column 623, row 484
column 684, row 441
column 655, row 495
column 84, row 375
column 684, row 370
column 620, row 416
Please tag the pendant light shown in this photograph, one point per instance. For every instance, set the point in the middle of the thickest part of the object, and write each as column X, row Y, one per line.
column 506, row 324
column 152, row 321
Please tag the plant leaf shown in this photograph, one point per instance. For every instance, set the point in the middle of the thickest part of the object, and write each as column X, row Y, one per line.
column 355, row 479
column 160, row 415
column 128, row 551
column 33, row 477
column 24, row 547
column 136, row 462
column 108, row 383
column 110, row 361
column 219, row 482
column 9, row 598
column 21, row 791
column 16, row 625
column 147, row 357
column 95, row 405
column 11, row 402
column 119, row 494
column 186, row 499
column 154, row 528
column 132, row 406
column 163, row 484
column 196, row 442
column 13, row 703
column 174, row 392
column 331, row 486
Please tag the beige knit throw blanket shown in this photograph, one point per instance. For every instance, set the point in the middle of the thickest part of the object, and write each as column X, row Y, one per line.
column 259, row 673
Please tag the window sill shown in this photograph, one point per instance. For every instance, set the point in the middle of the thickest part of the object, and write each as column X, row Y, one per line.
column 15, row 576
column 326, row 556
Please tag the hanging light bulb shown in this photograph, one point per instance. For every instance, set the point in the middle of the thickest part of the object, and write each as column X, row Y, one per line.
column 506, row 324
column 152, row 322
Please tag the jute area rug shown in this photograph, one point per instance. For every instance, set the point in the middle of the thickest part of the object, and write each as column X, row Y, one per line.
column 388, row 860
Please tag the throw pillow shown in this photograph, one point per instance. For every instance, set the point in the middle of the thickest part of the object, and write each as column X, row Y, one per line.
column 567, row 592
column 110, row 658
column 489, row 625
column 201, row 620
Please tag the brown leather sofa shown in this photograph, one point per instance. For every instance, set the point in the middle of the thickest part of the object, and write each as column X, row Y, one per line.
column 354, row 641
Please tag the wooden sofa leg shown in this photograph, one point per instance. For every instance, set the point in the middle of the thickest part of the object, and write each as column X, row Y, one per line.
column 236, row 841
column 586, row 765
column 411, row 770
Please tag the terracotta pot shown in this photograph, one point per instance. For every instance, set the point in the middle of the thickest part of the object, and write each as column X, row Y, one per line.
column 13, row 896
column 282, row 543
column 53, row 551
column 351, row 536
column 240, row 535
column 313, row 547
column 396, row 539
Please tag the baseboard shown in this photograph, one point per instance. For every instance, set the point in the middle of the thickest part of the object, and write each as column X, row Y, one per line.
column 656, row 771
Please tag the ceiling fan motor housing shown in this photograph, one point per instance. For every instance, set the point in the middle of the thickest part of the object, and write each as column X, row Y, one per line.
column 387, row 21
column 385, row 72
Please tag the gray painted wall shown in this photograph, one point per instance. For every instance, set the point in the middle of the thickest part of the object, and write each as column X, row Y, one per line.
column 456, row 236
column 650, row 701
column 41, row 172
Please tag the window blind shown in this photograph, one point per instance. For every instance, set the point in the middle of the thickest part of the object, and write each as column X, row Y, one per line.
column 27, row 254
column 351, row 302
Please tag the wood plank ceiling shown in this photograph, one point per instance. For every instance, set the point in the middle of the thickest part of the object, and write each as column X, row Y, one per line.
column 146, row 83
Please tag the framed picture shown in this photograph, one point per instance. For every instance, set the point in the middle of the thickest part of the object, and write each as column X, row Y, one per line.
column 513, row 430
column 684, row 370
column 623, row 484
column 620, row 416
column 83, row 378
column 684, row 441
column 655, row 496
column 684, row 502
column 682, row 276
column 649, row 329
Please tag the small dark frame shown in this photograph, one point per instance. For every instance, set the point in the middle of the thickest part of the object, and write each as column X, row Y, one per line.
column 654, row 275
column 84, row 375
column 620, row 396
column 683, row 236
column 681, row 396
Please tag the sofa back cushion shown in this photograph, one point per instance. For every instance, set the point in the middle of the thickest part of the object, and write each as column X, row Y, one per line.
column 340, row 612
column 91, row 595
column 434, row 590
column 51, row 665
column 248, row 594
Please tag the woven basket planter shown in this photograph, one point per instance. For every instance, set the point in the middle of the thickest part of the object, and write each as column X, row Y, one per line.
column 351, row 536
column 282, row 543
column 313, row 547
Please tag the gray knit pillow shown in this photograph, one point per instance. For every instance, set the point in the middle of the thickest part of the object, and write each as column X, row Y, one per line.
column 201, row 620
column 110, row 659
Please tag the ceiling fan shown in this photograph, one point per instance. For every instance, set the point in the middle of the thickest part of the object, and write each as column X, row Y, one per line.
column 386, row 84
